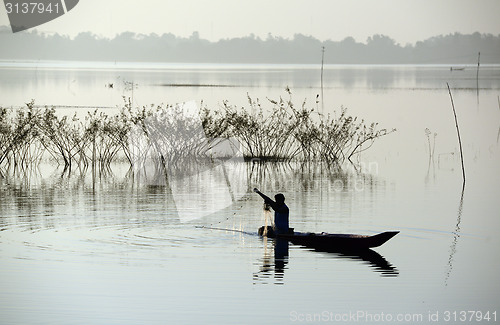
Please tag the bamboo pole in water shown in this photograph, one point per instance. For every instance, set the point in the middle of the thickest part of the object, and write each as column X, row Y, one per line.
column 477, row 75
column 461, row 204
column 458, row 134
column 498, row 134
column 322, row 61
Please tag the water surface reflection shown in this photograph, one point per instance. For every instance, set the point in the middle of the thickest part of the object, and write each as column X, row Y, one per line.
column 215, row 191
column 276, row 259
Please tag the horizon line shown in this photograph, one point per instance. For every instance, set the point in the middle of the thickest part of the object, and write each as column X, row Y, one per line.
column 195, row 35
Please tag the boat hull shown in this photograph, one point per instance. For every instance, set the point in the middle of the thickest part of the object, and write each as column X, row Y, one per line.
column 327, row 241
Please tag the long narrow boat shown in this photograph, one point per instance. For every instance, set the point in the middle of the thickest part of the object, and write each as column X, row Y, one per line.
column 328, row 241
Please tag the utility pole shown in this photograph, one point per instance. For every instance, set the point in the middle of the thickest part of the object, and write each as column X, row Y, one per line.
column 477, row 76
column 322, row 62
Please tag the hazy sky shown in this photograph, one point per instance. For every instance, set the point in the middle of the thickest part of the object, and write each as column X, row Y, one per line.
column 406, row 21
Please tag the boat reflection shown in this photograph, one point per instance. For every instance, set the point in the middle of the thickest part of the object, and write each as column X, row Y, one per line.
column 376, row 261
column 275, row 261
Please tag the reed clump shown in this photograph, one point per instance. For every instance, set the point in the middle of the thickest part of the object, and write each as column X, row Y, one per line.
column 275, row 130
column 29, row 134
column 286, row 132
column 19, row 136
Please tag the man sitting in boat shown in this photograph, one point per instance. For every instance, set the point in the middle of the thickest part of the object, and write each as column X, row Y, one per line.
column 280, row 211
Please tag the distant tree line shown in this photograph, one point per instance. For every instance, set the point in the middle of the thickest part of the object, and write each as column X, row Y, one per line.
column 378, row 49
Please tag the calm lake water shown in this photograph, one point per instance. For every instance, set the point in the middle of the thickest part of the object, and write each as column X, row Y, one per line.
column 109, row 249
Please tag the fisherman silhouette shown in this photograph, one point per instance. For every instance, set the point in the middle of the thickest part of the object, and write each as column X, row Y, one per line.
column 281, row 212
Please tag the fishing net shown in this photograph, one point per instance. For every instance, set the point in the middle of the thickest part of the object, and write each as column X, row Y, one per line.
column 268, row 218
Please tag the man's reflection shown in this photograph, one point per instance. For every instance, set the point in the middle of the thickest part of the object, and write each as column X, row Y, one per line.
column 270, row 266
column 280, row 257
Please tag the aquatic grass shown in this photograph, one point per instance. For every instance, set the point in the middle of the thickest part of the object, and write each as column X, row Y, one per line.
column 61, row 137
column 262, row 134
column 285, row 132
column 29, row 134
column 433, row 147
column 18, row 135
column 275, row 129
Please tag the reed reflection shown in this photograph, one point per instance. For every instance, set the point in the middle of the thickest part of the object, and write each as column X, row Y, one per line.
column 456, row 236
column 313, row 176
column 217, row 185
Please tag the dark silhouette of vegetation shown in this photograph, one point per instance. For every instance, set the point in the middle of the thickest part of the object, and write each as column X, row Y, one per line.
column 450, row 49
column 27, row 135
column 281, row 132
column 287, row 132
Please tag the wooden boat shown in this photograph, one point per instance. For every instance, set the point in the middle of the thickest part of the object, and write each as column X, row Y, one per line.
column 332, row 242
